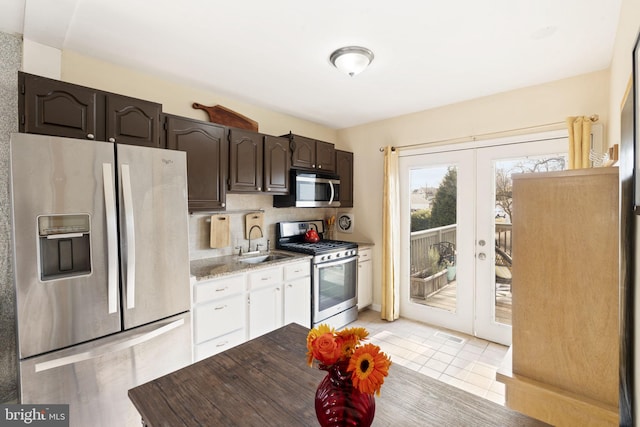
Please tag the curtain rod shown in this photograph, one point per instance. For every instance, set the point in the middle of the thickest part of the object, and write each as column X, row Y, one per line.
column 592, row 118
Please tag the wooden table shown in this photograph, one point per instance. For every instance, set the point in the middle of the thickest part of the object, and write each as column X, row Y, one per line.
column 266, row 382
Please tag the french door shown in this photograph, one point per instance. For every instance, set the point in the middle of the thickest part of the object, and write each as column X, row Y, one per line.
column 456, row 212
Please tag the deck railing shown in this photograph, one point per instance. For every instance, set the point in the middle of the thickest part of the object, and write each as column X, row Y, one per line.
column 422, row 240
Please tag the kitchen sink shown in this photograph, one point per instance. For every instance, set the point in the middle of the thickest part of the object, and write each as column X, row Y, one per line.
column 263, row 258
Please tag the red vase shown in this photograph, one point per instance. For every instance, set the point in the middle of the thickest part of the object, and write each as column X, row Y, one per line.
column 339, row 404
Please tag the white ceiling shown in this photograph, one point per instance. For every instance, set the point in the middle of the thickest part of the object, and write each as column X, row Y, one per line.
column 275, row 53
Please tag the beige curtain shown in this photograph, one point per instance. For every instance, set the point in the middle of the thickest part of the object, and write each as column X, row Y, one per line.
column 579, row 141
column 390, row 307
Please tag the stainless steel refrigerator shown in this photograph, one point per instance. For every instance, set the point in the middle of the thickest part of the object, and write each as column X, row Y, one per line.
column 101, row 260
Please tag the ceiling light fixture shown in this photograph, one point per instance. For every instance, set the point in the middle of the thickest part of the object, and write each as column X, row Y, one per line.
column 351, row 59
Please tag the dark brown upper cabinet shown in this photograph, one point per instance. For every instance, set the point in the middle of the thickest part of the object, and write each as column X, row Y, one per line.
column 245, row 161
column 207, row 160
column 53, row 107
column 276, row 165
column 132, row 121
column 325, row 156
column 344, row 169
column 308, row 153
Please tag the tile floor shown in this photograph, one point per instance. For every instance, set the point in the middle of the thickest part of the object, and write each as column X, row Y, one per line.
column 461, row 360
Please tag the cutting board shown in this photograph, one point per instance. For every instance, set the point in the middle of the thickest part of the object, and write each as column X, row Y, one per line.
column 220, row 236
column 254, row 218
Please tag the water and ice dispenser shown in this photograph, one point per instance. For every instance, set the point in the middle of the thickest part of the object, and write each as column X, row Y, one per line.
column 65, row 248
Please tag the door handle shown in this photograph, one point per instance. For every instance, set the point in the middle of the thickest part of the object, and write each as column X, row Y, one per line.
column 112, row 238
column 131, row 236
column 109, row 348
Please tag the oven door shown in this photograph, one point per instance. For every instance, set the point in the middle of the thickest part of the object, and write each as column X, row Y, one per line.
column 334, row 287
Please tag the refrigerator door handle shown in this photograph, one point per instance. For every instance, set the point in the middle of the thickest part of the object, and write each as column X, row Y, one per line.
column 131, row 237
column 112, row 238
column 108, row 348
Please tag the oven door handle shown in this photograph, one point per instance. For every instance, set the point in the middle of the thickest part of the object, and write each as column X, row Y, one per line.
column 334, row 263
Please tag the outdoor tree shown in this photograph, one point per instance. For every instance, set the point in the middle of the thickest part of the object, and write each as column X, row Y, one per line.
column 444, row 211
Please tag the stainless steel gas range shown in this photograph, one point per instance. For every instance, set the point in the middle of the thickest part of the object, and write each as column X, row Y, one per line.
column 334, row 266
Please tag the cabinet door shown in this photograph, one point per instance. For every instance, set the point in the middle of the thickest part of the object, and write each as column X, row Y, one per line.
column 297, row 302
column 52, row 107
column 344, row 168
column 245, row 161
column 365, row 279
column 276, row 165
column 265, row 310
column 207, row 159
column 325, row 156
column 304, row 152
column 132, row 121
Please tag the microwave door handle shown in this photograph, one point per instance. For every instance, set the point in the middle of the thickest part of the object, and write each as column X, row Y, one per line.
column 332, row 192
column 112, row 238
column 131, row 237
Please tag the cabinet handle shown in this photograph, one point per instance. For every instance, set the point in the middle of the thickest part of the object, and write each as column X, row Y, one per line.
column 91, row 136
column 222, row 344
column 319, row 166
column 112, row 139
column 259, row 188
column 268, row 188
column 222, row 289
column 223, row 204
column 266, row 278
column 289, row 286
column 313, row 166
column 221, row 307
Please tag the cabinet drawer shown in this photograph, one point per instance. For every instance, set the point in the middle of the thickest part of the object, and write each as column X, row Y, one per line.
column 364, row 255
column 299, row 269
column 218, row 288
column 268, row 276
column 220, row 344
column 219, row 317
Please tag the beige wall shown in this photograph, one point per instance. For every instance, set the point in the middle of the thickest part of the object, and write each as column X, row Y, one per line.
column 530, row 107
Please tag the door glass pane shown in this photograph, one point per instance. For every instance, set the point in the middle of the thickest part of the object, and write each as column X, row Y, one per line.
column 433, row 204
column 503, row 217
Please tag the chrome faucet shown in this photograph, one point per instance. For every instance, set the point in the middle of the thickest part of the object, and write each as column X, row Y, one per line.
column 261, row 235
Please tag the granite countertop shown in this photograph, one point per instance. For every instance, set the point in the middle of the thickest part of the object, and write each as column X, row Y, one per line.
column 210, row 268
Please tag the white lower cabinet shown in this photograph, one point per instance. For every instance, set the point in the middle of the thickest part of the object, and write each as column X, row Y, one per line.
column 229, row 310
column 265, row 310
column 276, row 299
column 297, row 294
column 219, row 315
column 365, row 278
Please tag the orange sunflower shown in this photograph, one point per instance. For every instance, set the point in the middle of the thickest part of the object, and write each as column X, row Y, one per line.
column 368, row 367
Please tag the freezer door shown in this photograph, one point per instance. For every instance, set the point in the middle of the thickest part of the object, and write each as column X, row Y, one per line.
column 93, row 378
column 66, row 281
column 154, row 241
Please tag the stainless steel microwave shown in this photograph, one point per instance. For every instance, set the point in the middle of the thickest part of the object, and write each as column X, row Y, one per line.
column 310, row 190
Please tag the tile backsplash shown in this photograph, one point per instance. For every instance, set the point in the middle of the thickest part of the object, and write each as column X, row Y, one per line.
column 238, row 206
